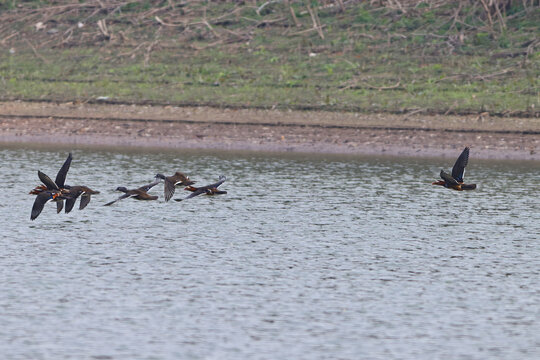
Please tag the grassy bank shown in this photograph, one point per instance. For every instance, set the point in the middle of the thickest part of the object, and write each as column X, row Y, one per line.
column 446, row 57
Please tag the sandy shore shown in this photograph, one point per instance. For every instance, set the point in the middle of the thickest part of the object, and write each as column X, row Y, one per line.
column 269, row 130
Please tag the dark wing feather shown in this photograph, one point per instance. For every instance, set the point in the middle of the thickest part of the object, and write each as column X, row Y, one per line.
column 59, row 206
column 61, row 176
column 85, row 199
column 126, row 195
column 70, row 202
column 51, row 185
column 149, row 186
column 215, row 185
column 459, row 167
column 39, row 203
column 197, row 192
column 169, row 188
column 221, row 181
column 181, row 179
column 449, row 180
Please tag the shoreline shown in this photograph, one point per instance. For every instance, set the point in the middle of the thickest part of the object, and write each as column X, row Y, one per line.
column 269, row 130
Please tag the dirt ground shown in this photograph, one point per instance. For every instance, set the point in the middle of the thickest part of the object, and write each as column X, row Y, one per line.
column 269, row 130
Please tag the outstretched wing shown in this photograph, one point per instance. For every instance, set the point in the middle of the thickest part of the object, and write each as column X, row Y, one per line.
column 59, row 206
column 120, row 198
column 459, row 167
column 39, row 203
column 149, row 186
column 449, row 180
column 85, row 199
column 222, row 179
column 181, row 179
column 61, row 176
column 51, row 185
column 70, row 202
column 197, row 192
column 169, row 188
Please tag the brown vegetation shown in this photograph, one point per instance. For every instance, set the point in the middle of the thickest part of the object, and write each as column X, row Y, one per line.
column 205, row 20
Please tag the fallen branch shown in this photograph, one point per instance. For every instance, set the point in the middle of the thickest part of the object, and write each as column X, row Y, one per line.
column 295, row 19
column 130, row 53
column 341, row 5
column 149, row 51
column 36, row 53
column 478, row 77
column 486, row 8
column 416, row 111
column 510, row 54
column 103, row 28
column 305, row 31
column 205, row 22
column 3, row 42
column 499, row 73
column 198, row 48
column 368, row 86
column 158, row 19
column 260, row 8
column 316, row 23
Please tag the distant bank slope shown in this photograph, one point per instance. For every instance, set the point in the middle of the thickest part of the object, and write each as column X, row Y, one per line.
column 403, row 57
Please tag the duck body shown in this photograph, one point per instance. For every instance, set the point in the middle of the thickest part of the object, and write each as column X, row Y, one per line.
column 138, row 194
column 211, row 189
column 71, row 193
column 178, row 179
column 455, row 181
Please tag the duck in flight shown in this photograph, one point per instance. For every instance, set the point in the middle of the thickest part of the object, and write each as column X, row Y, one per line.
column 73, row 192
column 139, row 193
column 69, row 193
column 455, row 181
column 178, row 179
column 42, row 198
column 57, row 184
column 211, row 189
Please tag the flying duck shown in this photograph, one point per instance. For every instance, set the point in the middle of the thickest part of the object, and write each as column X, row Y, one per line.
column 211, row 189
column 58, row 184
column 71, row 193
column 455, row 181
column 178, row 179
column 139, row 193
column 42, row 198
column 59, row 181
column 48, row 185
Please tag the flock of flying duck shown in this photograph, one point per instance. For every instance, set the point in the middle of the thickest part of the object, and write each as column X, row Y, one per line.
column 57, row 191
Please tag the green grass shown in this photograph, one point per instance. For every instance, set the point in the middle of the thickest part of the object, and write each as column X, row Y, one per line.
column 371, row 59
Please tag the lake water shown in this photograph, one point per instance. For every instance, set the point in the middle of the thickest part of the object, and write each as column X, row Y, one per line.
column 306, row 257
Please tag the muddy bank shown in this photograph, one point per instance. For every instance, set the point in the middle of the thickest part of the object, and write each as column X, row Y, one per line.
column 268, row 130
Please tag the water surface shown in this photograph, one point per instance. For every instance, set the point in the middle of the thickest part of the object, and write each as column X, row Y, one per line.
column 306, row 257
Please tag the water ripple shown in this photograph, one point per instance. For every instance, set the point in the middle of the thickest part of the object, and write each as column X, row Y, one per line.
column 304, row 258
